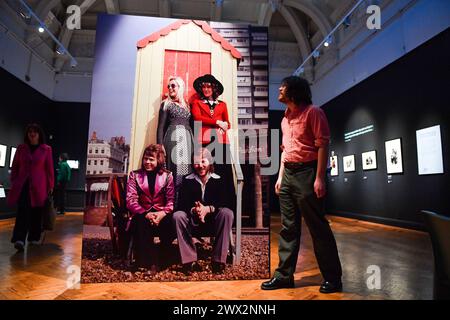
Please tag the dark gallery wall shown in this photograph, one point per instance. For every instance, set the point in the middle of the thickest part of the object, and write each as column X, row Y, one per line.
column 65, row 124
column 410, row 94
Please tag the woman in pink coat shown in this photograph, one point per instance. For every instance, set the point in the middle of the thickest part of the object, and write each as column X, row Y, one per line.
column 150, row 196
column 32, row 181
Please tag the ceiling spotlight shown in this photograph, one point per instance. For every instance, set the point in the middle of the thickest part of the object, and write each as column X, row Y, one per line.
column 275, row 5
column 347, row 22
column 25, row 15
column 60, row 50
column 326, row 44
column 299, row 71
column 24, row 10
column 41, row 29
column 73, row 63
column 328, row 41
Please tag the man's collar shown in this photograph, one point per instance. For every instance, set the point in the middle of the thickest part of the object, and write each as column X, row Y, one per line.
column 296, row 111
column 210, row 175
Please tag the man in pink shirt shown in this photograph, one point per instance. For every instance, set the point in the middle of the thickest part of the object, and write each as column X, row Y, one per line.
column 301, row 188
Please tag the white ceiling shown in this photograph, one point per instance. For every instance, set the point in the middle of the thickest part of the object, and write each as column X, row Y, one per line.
column 304, row 22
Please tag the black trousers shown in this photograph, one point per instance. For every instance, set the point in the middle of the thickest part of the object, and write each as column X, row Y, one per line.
column 61, row 197
column 145, row 250
column 28, row 219
column 297, row 200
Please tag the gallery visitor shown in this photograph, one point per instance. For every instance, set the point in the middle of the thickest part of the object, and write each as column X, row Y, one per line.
column 32, row 182
column 301, row 188
column 62, row 179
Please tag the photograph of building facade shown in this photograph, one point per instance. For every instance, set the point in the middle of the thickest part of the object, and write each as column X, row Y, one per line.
column 104, row 160
column 253, row 111
column 252, row 43
column 107, row 157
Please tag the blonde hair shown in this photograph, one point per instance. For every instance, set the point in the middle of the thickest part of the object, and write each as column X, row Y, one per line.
column 180, row 94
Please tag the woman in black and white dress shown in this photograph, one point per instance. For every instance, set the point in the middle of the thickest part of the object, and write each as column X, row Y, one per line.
column 175, row 132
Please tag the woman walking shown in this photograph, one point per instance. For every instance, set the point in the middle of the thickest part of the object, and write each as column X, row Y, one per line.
column 32, row 181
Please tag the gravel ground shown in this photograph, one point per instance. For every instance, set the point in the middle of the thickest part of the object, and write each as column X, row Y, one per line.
column 100, row 265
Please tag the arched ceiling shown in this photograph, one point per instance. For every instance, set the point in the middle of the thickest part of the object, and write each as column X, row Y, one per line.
column 304, row 22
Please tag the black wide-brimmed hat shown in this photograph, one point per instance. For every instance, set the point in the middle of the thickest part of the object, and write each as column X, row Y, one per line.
column 207, row 78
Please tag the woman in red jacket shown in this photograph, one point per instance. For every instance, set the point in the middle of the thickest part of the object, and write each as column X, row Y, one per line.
column 213, row 116
column 32, row 181
column 211, row 112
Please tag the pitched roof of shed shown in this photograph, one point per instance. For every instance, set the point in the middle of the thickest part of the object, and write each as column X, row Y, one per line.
column 202, row 24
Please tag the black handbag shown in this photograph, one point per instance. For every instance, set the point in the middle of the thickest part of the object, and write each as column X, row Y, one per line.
column 49, row 214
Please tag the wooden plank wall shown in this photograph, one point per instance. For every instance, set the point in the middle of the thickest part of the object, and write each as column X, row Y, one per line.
column 149, row 83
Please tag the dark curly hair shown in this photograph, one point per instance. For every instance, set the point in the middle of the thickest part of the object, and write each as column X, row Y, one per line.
column 215, row 90
column 37, row 128
column 64, row 156
column 297, row 90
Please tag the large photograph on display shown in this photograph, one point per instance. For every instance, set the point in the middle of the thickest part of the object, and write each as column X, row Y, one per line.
column 369, row 160
column 349, row 163
column 429, row 150
column 334, row 167
column 11, row 157
column 3, row 150
column 394, row 159
column 164, row 184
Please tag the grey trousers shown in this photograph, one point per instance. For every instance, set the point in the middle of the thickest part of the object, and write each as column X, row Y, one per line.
column 217, row 225
column 297, row 200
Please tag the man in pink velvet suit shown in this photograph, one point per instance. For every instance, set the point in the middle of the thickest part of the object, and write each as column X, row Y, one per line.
column 150, row 196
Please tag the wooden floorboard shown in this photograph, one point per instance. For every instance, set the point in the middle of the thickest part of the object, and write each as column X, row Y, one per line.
column 403, row 256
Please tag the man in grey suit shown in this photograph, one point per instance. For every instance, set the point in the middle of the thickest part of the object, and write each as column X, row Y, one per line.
column 203, row 208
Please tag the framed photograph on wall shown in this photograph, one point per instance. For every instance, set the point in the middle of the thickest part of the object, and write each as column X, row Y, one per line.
column 429, row 150
column 3, row 150
column 369, row 160
column 394, row 159
column 349, row 163
column 334, row 166
column 73, row 164
column 11, row 157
